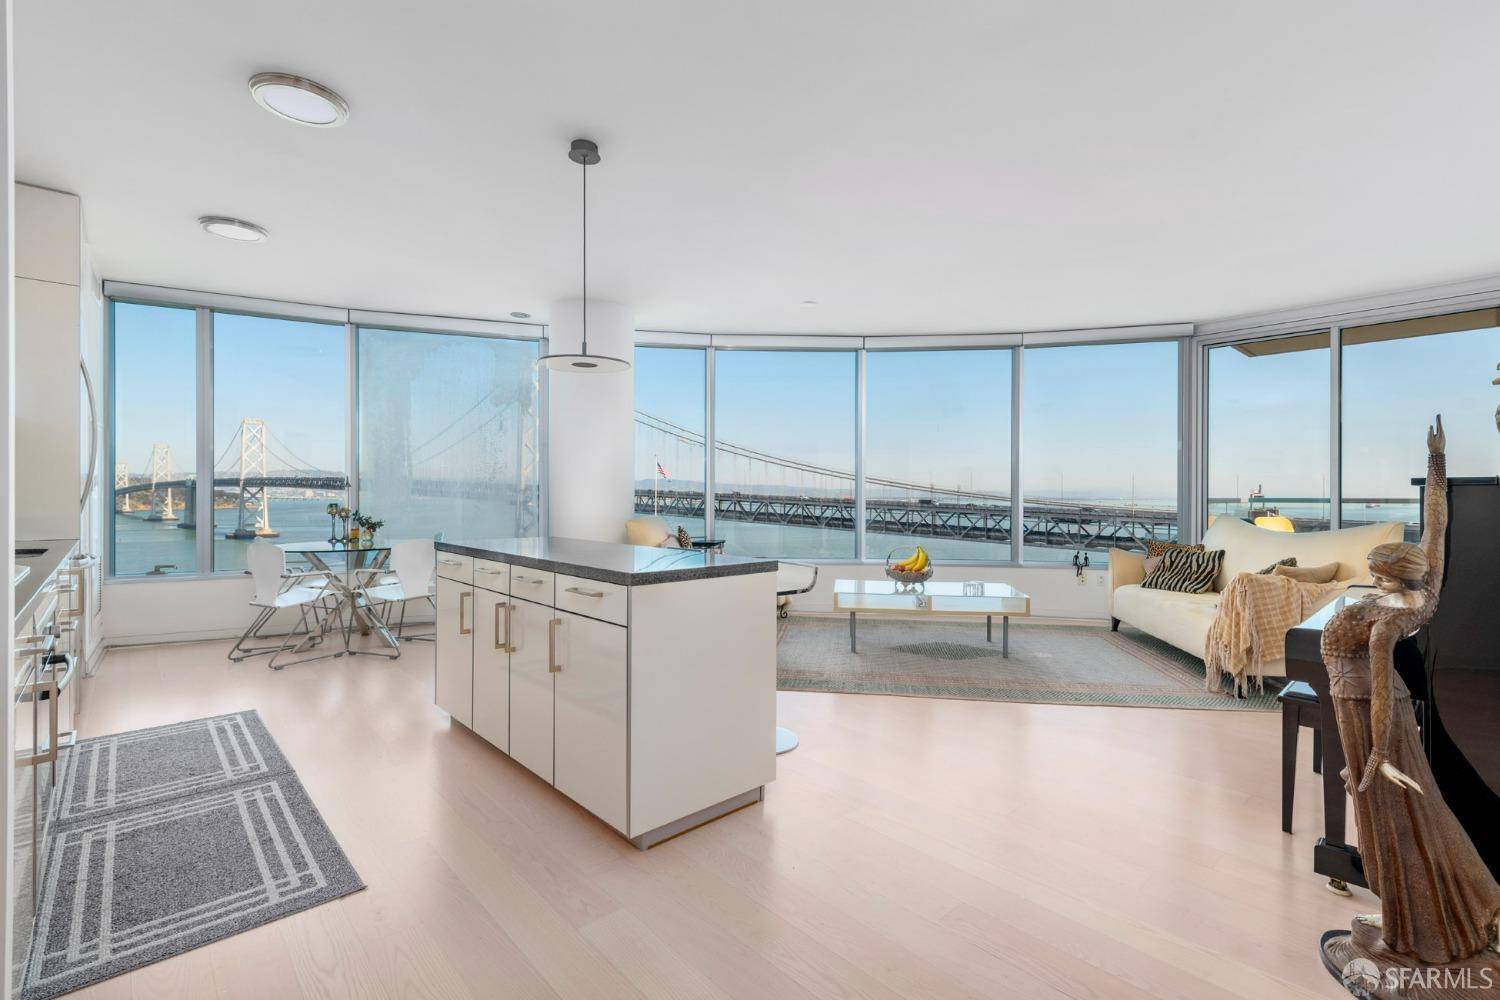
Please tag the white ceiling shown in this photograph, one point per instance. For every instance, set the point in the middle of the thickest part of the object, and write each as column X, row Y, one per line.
column 914, row 167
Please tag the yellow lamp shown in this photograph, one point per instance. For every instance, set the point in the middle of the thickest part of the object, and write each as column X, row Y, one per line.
column 1275, row 522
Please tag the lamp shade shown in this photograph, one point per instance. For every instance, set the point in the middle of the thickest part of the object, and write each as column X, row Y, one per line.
column 1275, row 522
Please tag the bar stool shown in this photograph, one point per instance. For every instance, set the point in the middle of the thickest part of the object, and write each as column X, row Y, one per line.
column 1299, row 707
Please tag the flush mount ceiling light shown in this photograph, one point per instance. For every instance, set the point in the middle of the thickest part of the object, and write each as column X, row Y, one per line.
column 520, row 315
column 585, row 153
column 233, row 229
column 299, row 100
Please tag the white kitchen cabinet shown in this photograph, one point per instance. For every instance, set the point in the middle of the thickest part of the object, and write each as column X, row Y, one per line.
column 453, row 674
column 493, row 626
column 531, row 686
column 590, row 723
column 641, row 683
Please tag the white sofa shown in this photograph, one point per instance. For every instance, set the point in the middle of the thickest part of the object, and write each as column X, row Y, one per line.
column 1184, row 619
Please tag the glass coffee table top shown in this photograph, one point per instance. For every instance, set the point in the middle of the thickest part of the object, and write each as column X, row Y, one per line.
column 939, row 597
column 886, row 597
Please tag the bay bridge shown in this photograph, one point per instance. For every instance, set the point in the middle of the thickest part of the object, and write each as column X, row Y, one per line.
column 496, row 433
column 816, row 496
column 806, row 494
column 162, row 493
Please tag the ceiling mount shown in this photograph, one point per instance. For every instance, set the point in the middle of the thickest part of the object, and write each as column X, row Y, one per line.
column 584, row 152
column 298, row 99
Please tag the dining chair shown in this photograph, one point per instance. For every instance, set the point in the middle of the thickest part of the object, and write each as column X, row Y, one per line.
column 410, row 575
column 278, row 590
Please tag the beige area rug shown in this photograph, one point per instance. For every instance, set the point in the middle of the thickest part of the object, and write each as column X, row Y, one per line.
column 1053, row 664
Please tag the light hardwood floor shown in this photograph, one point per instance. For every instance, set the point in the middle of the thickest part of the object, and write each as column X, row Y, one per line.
column 909, row 848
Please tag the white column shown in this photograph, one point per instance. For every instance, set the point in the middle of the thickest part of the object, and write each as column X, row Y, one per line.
column 591, row 429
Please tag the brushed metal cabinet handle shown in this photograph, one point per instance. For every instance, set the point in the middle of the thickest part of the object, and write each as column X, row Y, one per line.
column 49, row 688
column 503, row 645
column 553, row 666
column 451, row 562
column 585, row 593
column 462, row 628
column 492, row 572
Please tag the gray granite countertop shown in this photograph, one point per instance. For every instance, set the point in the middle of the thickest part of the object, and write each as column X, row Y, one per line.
column 608, row 562
column 55, row 550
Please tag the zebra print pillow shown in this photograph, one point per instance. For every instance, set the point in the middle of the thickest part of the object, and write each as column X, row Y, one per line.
column 1185, row 571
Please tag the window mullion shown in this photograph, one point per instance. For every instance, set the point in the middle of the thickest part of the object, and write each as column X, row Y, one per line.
column 1335, row 428
column 860, row 399
column 203, row 463
column 710, row 466
column 1017, row 502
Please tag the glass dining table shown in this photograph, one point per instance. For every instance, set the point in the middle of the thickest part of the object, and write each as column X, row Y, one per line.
column 349, row 568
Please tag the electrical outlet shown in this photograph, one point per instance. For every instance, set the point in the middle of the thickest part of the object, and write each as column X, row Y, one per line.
column 1083, row 579
column 1098, row 579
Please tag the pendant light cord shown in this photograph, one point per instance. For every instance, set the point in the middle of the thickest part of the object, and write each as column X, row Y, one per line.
column 585, row 256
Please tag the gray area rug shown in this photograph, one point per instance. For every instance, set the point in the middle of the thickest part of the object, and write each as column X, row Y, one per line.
column 170, row 838
column 1053, row 664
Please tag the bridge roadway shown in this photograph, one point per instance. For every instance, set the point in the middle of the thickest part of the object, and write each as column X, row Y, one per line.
column 272, row 482
column 1055, row 523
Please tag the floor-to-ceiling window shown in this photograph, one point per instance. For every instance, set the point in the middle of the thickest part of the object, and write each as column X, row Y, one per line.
column 1395, row 377
column 449, row 434
column 937, row 453
column 445, row 431
column 671, row 406
column 154, row 399
column 784, row 425
column 1268, row 430
column 1099, row 465
column 279, row 425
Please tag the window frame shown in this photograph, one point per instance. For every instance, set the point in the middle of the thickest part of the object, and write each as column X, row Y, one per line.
column 204, row 305
column 1180, row 334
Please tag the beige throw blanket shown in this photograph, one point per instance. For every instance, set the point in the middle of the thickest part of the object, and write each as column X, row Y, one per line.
column 1255, row 613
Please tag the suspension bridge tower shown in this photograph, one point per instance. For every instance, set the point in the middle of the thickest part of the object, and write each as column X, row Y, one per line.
column 163, row 505
column 254, row 502
column 122, row 481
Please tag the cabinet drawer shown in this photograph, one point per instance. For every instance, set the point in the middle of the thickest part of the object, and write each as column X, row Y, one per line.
column 533, row 585
column 492, row 575
column 605, row 601
column 455, row 567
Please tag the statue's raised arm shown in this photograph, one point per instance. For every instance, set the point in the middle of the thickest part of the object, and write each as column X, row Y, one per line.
column 1435, row 504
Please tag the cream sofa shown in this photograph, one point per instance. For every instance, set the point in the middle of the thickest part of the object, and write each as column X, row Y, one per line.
column 1184, row 619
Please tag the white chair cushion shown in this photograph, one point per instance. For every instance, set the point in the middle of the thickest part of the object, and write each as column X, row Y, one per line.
column 291, row 598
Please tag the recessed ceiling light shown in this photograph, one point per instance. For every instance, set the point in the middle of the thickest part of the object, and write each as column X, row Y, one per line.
column 299, row 100
column 233, row 229
column 520, row 315
column 809, row 302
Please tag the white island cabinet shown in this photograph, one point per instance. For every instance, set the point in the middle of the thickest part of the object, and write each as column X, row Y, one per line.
column 639, row 682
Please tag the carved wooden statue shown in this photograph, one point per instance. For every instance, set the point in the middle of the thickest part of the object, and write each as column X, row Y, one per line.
column 1438, row 901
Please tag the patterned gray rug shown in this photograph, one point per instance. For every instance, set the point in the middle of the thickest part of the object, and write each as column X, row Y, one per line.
column 169, row 838
column 1054, row 664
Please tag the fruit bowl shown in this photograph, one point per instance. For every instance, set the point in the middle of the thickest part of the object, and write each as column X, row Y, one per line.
column 912, row 571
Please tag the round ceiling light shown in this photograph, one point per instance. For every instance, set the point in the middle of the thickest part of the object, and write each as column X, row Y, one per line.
column 520, row 315
column 299, row 100
column 233, row 229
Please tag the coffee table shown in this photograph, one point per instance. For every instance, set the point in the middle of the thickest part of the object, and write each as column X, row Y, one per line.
column 886, row 597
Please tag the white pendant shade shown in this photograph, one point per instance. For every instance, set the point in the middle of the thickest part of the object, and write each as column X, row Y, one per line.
column 586, row 364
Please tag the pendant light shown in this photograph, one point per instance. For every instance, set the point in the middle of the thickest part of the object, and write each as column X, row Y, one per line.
column 585, row 153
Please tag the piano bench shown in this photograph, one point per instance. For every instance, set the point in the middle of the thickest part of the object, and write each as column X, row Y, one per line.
column 1299, row 707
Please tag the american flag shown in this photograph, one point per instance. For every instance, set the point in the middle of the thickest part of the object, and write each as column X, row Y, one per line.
column 662, row 472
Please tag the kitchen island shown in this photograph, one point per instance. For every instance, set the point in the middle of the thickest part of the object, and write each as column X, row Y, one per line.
column 639, row 682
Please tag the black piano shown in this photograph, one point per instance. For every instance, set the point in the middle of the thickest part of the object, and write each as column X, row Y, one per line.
column 1452, row 668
